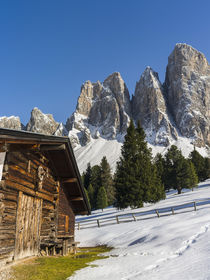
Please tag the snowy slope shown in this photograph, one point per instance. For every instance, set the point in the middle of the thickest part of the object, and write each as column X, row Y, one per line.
column 97, row 148
column 175, row 247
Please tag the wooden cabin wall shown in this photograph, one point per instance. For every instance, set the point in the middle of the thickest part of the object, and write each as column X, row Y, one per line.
column 20, row 181
column 8, row 207
column 66, row 222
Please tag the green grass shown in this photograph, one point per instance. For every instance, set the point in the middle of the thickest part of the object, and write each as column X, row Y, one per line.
column 57, row 268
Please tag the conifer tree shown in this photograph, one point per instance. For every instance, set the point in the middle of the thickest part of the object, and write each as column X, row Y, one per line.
column 193, row 175
column 95, row 182
column 136, row 179
column 159, row 162
column 207, row 168
column 101, row 202
column 87, row 176
column 179, row 172
column 199, row 163
column 91, row 195
column 106, row 180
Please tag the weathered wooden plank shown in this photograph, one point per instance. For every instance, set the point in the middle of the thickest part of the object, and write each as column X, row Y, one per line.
column 28, row 227
column 19, row 187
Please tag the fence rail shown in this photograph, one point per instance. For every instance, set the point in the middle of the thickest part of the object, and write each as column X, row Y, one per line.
column 141, row 215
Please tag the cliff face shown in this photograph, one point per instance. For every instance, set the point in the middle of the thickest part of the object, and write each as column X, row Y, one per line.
column 188, row 92
column 11, row 122
column 103, row 110
column 148, row 106
column 45, row 124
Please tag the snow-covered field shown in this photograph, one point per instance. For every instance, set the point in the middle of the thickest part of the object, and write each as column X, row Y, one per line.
column 175, row 247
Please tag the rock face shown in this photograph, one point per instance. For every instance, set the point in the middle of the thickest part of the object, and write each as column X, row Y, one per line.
column 11, row 122
column 148, row 106
column 45, row 124
column 103, row 109
column 187, row 87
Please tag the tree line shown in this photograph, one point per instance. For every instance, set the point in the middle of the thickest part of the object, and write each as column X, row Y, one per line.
column 140, row 178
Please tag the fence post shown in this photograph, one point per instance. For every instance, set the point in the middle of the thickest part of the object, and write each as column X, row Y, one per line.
column 157, row 213
column 117, row 218
column 195, row 206
column 78, row 226
column 172, row 210
column 134, row 217
column 98, row 223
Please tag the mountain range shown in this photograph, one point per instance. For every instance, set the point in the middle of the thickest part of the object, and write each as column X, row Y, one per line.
column 174, row 112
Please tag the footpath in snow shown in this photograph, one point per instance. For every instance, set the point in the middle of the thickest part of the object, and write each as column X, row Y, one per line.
column 175, row 247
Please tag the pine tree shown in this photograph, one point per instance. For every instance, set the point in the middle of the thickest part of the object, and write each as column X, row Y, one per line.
column 179, row 172
column 172, row 158
column 86, row 192
column 159, row 162
column 206, row 168
column 199, row 163
column 106, row 180
column 87, row 176
column 101, row 199
column 91, row 195
column 136, row 179
column 193, row 175
column 95, row 182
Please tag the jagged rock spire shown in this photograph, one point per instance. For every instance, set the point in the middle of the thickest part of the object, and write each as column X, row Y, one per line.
column 187, row 86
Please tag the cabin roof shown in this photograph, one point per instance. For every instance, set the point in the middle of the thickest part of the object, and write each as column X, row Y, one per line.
column 60, row 154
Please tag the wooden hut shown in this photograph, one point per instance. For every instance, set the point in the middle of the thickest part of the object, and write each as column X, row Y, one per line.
column 40, row 194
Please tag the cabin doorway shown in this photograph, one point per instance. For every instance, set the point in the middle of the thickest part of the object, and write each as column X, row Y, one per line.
column 28, row 225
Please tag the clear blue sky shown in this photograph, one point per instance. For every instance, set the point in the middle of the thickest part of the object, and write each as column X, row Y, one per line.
column 48, row 48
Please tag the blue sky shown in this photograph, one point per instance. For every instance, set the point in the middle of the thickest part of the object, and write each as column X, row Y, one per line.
column 48, row 48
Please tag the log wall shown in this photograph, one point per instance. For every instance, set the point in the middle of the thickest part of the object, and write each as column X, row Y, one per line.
column 29, row 174
column 66, row 221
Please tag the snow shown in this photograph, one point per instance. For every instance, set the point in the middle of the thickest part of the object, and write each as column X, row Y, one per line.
column 97, row 148
column 2, row 157
column 170, row 247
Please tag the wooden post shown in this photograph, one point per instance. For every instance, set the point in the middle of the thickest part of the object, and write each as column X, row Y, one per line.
column 134, row 217
column 117, row 218
column 172, row 210
column 195, row 206
column 98, row 223
column 157, row 213
column 78, row 226
column 47, row 252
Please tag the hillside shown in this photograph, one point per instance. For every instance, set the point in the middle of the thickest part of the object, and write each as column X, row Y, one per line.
column 170, row 247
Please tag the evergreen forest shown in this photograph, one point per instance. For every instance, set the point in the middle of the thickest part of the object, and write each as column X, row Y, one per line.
column 139, row 178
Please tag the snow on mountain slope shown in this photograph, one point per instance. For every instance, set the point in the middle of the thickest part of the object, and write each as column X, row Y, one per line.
column 94, row 151
column 97, row 148
column 174, row 247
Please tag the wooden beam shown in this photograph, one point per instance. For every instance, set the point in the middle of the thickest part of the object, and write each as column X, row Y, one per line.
column 69, row 180
column 76, row 198
column 53, row 147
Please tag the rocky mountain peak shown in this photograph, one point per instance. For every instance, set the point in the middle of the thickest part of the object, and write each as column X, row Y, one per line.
column 11, row 122
column 185, row 55
column 150, row 78
column 148, row 106
column 43, row 123
column 103, row 109
column 187, row 86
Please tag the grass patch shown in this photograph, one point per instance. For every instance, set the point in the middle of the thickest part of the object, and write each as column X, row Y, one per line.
column 57, row 268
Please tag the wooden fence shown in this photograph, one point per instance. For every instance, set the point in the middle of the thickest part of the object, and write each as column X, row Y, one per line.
column 141, row 215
